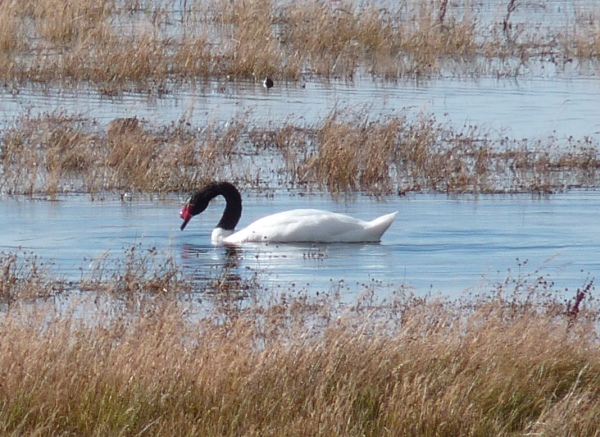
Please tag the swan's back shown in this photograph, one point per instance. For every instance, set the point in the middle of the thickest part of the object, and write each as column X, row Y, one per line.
column 312, row 226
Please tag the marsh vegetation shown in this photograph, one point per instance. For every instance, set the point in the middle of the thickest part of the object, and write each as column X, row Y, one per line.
column 346, row 152
column 513, row 361
column 150, row 46
column 137, row 346
column 114, row 46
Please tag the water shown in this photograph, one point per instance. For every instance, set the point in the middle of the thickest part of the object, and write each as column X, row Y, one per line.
column 533, row 107
column 437, row 244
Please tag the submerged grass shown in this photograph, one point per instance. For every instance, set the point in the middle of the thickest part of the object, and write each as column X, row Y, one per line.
column 346, row 152
column 124, row 45
column 24, row 277
column 513, row 361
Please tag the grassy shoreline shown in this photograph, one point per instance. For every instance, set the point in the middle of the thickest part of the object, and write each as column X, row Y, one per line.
column 143, row 350
column 513, row 361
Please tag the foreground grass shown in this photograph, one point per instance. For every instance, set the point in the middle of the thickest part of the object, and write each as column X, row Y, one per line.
column 147, row 46
column 346, row 152
column 514, row 361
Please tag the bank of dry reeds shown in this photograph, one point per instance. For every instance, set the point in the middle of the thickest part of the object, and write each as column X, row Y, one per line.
column 114, row 46
column 513, row 361
column 56, row 153
column 346, row 152
column 395, row 153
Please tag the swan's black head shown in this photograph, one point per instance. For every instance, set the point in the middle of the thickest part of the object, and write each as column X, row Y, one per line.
column 200, row 200
column 194, row 206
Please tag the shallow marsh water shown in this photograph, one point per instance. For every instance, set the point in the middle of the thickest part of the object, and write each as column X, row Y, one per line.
column 533, row 108
column 437, row 244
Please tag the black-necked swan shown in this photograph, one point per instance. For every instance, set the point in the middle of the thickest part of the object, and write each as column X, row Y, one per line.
column 294, row 226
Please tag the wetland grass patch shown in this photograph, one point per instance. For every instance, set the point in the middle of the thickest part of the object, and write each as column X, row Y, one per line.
column 513, row 361
column 24, row 277
column 56, row 153
column 116, row 46
column 346, row 152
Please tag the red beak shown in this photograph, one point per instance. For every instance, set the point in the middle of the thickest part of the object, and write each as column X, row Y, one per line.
column 186, row 215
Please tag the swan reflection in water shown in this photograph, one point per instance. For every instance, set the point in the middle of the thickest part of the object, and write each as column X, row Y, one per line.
column 220, row 277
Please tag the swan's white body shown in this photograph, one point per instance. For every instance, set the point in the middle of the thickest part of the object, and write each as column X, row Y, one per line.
column 306, row 226
column 295, row 226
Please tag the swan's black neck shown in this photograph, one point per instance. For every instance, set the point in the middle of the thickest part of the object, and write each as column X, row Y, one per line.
column 233, row 209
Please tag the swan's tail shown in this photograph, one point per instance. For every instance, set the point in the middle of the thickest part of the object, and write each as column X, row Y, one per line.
column 381, row 224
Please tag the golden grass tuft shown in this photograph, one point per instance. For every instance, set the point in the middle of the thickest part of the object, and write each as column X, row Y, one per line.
column 54, row 153
column 63, row 22
column 11, row 38
column 131, row 154
column 351, row 153
column 355, row 153
column 253, row 51
column 47, row 152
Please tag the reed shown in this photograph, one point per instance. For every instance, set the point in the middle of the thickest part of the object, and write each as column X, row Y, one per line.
column 582, row 39
column 25, row 277
column 64, row 22
column 138, row 274
column 55, row 153
column 253, row 49
column 51, row 150
column 355, row 153
column 11, row 33
column 397, row 154
column 346, row 152
column 116, row 46
column 513, row 361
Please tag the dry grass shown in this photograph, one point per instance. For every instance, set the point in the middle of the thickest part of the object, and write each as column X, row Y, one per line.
column 46, row 152
column 397, row 154
column 141, row 272
column 355, row 153
column 514, row 361
column 55, row 153
column 125, row 45
column 58, row 153
column 25, row 277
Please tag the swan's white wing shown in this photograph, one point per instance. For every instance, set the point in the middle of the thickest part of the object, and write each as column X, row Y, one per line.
column 312, row 225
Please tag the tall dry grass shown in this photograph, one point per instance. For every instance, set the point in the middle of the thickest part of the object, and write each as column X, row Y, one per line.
column 55, row 153
column 25, row 277
column 64, row 22
column 514, row 361
column 346, row 152
column 351, row 152
column 46, row 152
column 355, row 153
column 116, row 46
